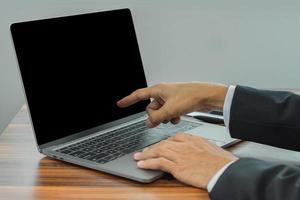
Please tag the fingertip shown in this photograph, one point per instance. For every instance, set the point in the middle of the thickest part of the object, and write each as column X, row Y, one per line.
column 125, row 102
column 136, row 156
column 141, row 164
column 120, row 103
column 149, row 124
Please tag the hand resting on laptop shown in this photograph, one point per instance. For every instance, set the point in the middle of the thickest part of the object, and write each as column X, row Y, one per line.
column 191, row 159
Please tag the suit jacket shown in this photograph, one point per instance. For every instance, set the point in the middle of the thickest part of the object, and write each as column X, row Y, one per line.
column 268, row 117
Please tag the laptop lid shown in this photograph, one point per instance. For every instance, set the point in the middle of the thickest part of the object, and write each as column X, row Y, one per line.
column 74, row 70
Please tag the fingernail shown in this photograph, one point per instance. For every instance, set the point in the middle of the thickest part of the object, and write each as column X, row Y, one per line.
column 137, row 155
column 149, row 124
column 140, row 163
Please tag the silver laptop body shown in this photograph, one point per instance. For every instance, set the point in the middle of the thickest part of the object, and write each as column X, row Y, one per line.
column 66, row 65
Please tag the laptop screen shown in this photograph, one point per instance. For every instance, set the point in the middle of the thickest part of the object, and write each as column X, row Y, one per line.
column 76, row 68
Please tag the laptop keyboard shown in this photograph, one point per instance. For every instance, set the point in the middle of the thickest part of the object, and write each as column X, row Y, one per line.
column 114, row 144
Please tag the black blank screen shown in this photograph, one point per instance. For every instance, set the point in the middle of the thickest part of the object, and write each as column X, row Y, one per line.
column 76, row 68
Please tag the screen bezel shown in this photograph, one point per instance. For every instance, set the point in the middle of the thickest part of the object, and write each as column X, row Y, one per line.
column 93, row 129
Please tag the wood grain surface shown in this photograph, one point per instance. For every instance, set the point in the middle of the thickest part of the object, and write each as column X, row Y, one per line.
column 26, row 174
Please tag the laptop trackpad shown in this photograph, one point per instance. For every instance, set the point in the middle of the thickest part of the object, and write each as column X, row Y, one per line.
column 126, row 167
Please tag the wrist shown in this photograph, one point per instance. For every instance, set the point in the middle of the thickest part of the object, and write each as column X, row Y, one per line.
column 216, row 96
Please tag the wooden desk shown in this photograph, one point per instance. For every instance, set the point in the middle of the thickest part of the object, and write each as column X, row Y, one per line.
column 26, row 174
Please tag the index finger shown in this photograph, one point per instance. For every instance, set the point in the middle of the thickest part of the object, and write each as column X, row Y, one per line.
column 136, row 96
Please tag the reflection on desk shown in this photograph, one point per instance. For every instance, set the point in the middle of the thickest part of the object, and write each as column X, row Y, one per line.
column 26, row 174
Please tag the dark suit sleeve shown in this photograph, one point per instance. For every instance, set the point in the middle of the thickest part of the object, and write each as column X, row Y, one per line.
column 251, row 179
column 268, row 117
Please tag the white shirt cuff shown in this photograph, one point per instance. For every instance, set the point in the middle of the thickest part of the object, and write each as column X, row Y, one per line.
column 216, row 177
column 227, row 105
column 226, row 115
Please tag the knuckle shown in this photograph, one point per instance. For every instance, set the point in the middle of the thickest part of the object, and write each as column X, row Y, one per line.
column 135, row 94
column 138, row 94
column 149, row 110
column 155, row 151
column 161, row 84
column 138, row 90
column 174, row 171
column 180, row 135
column 163, row 142
column 160, row 163
column 158, row 151
column 152, row 119
column 168, row 113
column 145, row 149
column 199, row 138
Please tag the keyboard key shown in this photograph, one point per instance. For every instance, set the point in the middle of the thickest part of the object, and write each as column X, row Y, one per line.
column 77, row 153
column 87, row 149
column 105, row 148
column 119, row 154
column 95, row 146
column 74, row 148
column 81, row 145
column 111, row 151
column 111, row 145
column 109, row 158
column 120, row 148
column 101, row 161
column 129, row 150
column 87, row 155
column 98, row 156
column 66, row 151
column 62, row 149
column 98, row 151
column 114, row 145
column 73, row 145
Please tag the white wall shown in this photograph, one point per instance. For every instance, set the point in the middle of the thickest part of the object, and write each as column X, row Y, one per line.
column 253, row 42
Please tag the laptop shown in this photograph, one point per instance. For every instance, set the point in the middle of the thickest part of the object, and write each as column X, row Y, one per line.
column 74, row 69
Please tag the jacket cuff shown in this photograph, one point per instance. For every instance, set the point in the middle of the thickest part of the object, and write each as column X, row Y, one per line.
column 239, row 180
